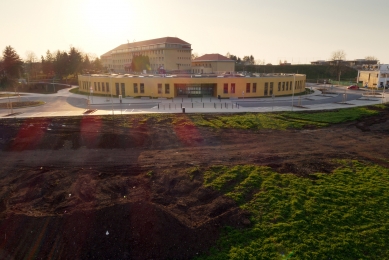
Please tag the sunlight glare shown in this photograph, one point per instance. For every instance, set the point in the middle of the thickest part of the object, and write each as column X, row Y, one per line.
column 107, row 17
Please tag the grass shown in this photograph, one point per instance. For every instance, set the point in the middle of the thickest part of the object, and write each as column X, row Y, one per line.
column 10, row 95
column 21, row 104
column 77, row 91
column 255, row 121
column 343, row 215
column 283, row 120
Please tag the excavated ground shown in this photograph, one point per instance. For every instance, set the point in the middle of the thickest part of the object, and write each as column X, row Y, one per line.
column 85, row 188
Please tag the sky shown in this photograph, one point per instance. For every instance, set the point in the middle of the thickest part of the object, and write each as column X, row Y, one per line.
column 296, row 31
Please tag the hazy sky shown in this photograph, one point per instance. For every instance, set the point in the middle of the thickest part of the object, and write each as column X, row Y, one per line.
column 298, row 31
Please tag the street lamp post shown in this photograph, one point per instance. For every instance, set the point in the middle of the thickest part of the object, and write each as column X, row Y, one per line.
column 110, row 89
column 383, row 87
column 294, row 85
column 10, row 104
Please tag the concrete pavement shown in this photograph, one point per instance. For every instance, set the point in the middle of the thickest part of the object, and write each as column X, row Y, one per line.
column 65, row 103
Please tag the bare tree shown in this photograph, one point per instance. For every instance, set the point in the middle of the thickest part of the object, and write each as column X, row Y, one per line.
column 338, row 57
column 32, row 64
column 370, row 58
column 195, row 55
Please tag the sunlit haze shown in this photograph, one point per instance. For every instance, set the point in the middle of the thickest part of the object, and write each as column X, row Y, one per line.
column 297, row 31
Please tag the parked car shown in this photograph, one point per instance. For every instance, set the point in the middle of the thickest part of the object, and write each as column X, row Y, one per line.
column 353, row 87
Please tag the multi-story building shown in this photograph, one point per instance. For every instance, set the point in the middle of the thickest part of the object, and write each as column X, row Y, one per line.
column 213, row 64
column 376, row 77
column 168, row 54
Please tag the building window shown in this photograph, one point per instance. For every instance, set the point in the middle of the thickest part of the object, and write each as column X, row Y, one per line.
column 225, row 88
column 254, row 87
column 95, row 86
column 279, row 86
column 123, row 89
column 283, row 86
column 290, row 84
column 248, row 87
column 102, row 86
column 106, row 84
column 135, row 87
column 233, row 88
column 287, row 85
column 167, row 89
column 271, row 89
column 142, row 88
column 266, row 89
column 159, row 88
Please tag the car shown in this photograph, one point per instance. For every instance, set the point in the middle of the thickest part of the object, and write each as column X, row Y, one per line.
column 353, row 87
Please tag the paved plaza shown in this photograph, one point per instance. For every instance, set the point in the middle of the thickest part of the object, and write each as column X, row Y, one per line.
column 65, row 103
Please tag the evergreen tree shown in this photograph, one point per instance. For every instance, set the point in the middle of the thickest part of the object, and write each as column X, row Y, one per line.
column 12, row 64
column 61, row 64
column 47, row 63
column 86, row 64
column 97, row 65
column 75, row 61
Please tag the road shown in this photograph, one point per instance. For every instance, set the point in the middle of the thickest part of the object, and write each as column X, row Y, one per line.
column 65, row 103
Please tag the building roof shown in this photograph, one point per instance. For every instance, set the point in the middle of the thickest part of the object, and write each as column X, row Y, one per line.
column 212, row 57
column 148, row 42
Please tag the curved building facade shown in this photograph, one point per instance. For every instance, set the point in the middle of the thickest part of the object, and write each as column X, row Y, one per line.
column 228, row 86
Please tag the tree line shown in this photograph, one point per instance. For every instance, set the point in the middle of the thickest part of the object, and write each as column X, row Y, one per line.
column 246, row 60
column 59, row 65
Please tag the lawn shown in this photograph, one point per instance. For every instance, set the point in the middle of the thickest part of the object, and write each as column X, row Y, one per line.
column 284, row 120
column 343, row 215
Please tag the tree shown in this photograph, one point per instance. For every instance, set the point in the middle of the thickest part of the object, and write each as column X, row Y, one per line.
column 195, row 55
column 260, row 62
column 75, row 61
column 47, row 63
column 86, row 64
column 338, row 57
column 140, row 63
column 249, row 60
column 61, row 64
column 97, row 65
column 232, row 57
column 370, row 58
column 31, row 62
column 12, row 64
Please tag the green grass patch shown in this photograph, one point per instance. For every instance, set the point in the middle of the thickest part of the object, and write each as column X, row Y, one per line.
column 77, row 91
column 283, row 120
column 256, row 121
column 343, row 215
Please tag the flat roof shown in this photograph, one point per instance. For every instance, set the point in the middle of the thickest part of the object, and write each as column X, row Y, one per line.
column 237, row 75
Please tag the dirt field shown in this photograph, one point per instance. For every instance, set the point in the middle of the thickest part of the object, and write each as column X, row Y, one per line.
column 84, row 188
